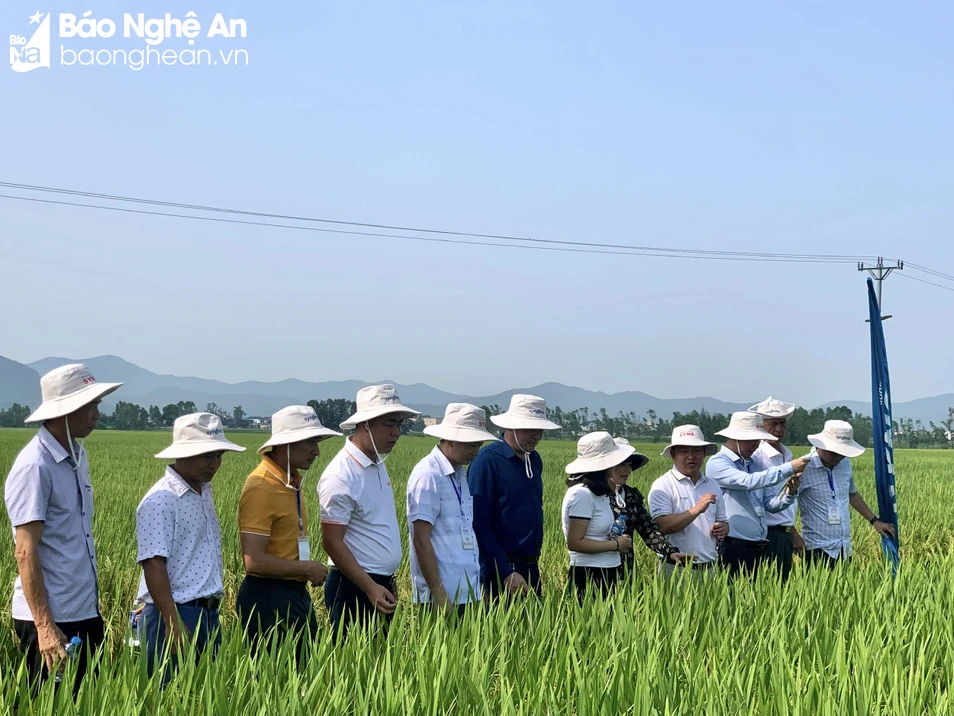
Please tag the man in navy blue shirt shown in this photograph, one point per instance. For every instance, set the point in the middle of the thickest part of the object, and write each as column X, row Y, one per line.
column 506, row 481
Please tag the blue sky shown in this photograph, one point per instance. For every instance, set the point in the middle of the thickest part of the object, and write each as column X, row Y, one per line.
column 786, row 127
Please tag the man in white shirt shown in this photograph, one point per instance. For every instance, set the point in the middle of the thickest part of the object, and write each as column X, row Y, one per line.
column 687, row 506
column 826, row 492
column 783, row 539
column 445, row 562
column 180, row 543
column 358, row 518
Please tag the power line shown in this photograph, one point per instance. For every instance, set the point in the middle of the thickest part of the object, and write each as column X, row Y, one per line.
column 647, row 250
column 627, row 251
column 921, row 280
column 930, row 271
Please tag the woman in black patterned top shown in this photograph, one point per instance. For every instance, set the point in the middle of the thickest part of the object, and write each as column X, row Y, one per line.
column 628, row 501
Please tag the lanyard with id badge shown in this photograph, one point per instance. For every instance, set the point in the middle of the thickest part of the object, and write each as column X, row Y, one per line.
column 834, row 516
column 466, row 532
column 304, row 546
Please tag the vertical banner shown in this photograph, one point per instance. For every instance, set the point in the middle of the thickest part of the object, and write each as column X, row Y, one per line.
column 882, row 433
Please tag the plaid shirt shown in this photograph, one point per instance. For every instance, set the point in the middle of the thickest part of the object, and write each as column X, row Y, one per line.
column 639, row 520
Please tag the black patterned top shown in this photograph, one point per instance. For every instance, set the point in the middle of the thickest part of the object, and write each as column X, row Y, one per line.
column 628, row 501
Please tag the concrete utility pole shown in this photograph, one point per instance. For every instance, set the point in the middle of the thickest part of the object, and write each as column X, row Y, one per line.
column 879, row 272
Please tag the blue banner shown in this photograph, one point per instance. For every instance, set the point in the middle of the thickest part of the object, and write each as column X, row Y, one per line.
column 882, row 433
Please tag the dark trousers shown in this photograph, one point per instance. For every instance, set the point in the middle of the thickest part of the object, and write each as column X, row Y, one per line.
column 528, row 569
column 91, row 631
column 821, row 558
column 781, row 549
column 739, row 556
column 347, row 603
column 281, row 606
column 202, row 623
column 598, row 580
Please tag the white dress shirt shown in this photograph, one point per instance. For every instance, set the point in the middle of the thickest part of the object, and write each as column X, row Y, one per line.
column 356, row 492
column 764, row 458
column 178, row 523
column 674, row 493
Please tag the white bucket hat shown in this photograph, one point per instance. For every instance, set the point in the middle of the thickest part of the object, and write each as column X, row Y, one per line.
column 67, row 389
column 773, row 409
column 294, row 424
column 837, row 437
column 375, row 401
column 689, row 436
column 598, row 451
column 526, row 412
column 637, row 459
column 745, row 426
column 463, row 423
column 197, row 434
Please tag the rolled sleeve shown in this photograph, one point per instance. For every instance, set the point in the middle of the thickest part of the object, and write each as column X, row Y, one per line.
column 27, row 494
column 336, row 501
column 423, row 499
column 155, row 526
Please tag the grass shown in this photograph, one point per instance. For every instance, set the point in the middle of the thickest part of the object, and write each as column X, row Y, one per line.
column 851, row 642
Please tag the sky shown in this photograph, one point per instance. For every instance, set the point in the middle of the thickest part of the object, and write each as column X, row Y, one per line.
column 796, row 127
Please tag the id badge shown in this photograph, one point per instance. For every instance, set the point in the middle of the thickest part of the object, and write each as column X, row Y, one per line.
column 833, row 517
column 304, row 549
column 466, row 537
column 759, row 510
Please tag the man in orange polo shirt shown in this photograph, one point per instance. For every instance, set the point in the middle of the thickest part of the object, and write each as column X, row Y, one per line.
column 273, row 526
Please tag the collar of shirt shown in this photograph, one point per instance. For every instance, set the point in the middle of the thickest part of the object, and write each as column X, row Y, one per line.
column 817, row 463
column 503, row 449
column 52, row 445
column 731, row 455
column 179, row 486
column 358, row 455
column 445, row 465
column 679, row 476
column 278, row 473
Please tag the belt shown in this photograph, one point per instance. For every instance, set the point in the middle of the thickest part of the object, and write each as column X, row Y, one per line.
column 780, row 528
column 702, row 565
column 754, row 546
column 210, row 603
column 522, row 560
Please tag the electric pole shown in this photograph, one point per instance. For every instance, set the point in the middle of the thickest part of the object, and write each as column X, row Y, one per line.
column 879, row 272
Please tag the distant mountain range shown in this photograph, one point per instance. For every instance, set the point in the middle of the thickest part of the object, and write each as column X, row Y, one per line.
column 19, row 383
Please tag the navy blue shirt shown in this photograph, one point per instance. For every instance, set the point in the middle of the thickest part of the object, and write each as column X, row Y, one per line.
column 508, row 508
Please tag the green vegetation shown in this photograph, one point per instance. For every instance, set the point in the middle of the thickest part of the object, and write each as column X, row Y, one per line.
column 852, row 642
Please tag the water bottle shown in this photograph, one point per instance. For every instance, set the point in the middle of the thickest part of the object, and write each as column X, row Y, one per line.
column 619, row 527
column 135, row 628
column 72, row 651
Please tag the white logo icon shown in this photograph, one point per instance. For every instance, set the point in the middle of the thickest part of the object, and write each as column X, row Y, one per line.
column 27, row 55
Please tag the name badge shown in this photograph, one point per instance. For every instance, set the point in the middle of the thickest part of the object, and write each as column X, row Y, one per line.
column 833, row 517
column 304, row 549
column 466, row 537
column 759, row 510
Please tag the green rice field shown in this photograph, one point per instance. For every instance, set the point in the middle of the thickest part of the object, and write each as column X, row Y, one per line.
column 854, row 641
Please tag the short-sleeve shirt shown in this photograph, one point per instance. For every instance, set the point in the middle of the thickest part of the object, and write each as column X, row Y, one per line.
column 823, row 492
column 764, row 458
column 178, row 523
column 268, row 508
column 43, row 486
column 356, row 492
column 581, row 504
column 675, row 493
column 437, row 493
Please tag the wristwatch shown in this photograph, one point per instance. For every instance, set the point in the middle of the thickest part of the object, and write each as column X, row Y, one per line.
column 873, row 519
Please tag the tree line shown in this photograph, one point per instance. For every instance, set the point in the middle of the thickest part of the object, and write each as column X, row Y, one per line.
column 908, row 433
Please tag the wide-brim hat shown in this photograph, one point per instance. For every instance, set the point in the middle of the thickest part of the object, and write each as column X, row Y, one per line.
column 598, row 451
column 689, row 436
column 526, row 412
column 773, row 409
column 463, row 423
column 745, row 426
column 377, row 400
column 637, row 459
column 837, row 437
column 67, row 389
column 294, row 424
column 197, row 434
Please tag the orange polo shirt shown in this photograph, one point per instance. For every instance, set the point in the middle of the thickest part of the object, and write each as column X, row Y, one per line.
column 267, row 507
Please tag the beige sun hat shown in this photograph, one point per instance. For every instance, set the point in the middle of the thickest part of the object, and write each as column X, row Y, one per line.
column 598, row 451
column 67, row 389
column 294, row 424
column 526, row 412
column 197, row 434
column 637, row 459
column 373, row 402
column 689, row 436
column 744, row 425
column 774, row 409
column 463, row 423
column 837, row 437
